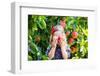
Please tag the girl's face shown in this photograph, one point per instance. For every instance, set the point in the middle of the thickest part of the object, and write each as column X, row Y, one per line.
column 59, row 36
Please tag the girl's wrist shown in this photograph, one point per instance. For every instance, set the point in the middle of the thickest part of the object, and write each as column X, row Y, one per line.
column 54, row 48
column 63, row 48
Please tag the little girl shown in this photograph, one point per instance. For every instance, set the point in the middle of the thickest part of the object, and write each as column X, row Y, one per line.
column 58, row 48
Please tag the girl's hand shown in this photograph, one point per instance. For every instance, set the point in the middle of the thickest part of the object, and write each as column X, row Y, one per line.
column 63, row 44
column 54, row 42
column 51, row 54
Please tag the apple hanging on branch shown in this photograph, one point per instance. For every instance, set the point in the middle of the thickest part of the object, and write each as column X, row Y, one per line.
column 74, row 49
column 67, row 33
column 74, row 35
column 70, row 41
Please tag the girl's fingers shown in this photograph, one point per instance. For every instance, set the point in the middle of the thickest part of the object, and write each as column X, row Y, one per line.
column 62, row 43
column 54, row 38
column 63, row 37
column 55, row 41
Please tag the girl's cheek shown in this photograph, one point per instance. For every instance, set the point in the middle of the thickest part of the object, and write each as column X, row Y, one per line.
column 63, row 37
column 55, row 37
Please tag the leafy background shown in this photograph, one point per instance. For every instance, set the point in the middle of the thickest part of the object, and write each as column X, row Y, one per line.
column 39, row 30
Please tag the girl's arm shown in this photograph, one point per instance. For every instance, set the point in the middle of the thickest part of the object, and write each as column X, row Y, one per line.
column 63, row 49
column 64, row 53
column 53, row 48
column 51, row 53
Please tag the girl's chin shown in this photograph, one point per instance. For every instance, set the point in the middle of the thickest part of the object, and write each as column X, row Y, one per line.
column 58, row 44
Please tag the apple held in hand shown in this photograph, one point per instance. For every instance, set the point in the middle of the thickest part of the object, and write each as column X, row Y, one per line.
column 59, row 38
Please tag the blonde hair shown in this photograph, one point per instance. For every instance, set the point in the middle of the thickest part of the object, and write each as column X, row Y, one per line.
column 59, row 30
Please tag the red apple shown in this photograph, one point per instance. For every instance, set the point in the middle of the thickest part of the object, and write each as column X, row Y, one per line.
column 37, row 38
column 74, row 34
column 59, row 38
column 71, row 40
column 52, row 30
column 74, row 49
column 67, row 33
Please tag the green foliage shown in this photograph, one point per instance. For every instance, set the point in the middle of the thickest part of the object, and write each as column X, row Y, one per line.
column 39, row 29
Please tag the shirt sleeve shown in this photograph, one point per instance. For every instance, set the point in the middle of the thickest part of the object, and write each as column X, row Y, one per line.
column 68, row 52
column 48, row 50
